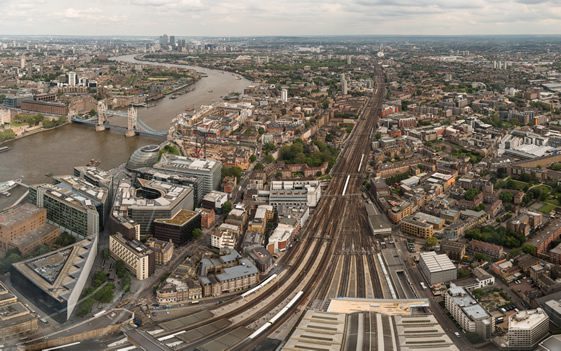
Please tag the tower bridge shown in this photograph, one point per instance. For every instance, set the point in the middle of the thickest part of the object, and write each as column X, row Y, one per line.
column 134, row 125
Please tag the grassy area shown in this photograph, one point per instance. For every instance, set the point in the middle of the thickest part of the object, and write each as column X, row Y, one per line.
column 517, row 184
column 547, row 208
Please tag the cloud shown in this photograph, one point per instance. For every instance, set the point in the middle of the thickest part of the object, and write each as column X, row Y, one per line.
column 289, row 17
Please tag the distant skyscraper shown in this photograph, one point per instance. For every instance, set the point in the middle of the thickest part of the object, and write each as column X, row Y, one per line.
column 22, row 62
column 172, row 40
column 349, row 59
column 284, row 95
column 164, row 40
column 72, row 78
column 267, row 59
column 344, row 87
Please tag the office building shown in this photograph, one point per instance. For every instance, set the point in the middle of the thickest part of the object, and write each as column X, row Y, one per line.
column 95, row 176
column 228, row 274
column 208, row 170
column 280, row 238
column 55, row 280
column 412, row 226
column 295, row 194
column 284, row 95
column 138, row 258
column 437, row 268
column 344, row 87
column 163, row 250
column 214, row 200
column 72, row 79
column 224, row 237
column 96, row 195
column 24, row 227
column 526, row 329
column 179, row 228
column 137, row 207
column 16, row 320
column 467, row 312
column 67, row 208
column 196, row 182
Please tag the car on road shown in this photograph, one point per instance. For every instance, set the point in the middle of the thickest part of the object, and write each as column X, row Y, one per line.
column 457, row 334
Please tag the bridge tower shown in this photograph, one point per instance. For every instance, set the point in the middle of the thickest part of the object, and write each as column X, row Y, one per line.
column 132, row 119
column 101, row 116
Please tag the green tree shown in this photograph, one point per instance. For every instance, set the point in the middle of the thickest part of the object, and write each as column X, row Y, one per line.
column 105, row 294
column 85, row 307
column 198, row 233
column 529, row 248
column 120, row 269
column 11, row 256
column 261, row 130
column 252, row 158
column 227, row 207
column 232, row 172
column 470, row 194
column 99, row 278
column 431, row 241
column 65, row 239
column 506, row 197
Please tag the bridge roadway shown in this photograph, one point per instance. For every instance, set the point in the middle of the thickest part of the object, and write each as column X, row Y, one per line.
column 309, row 264
column 142, row 128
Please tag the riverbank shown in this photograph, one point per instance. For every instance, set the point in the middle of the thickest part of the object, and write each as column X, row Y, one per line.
column 58, row 150
column 33, row 132
column 141, row 58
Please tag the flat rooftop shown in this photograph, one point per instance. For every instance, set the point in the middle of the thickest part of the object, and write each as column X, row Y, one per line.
column 56, row 272
column 435, row 262
column 179, row 163
column 401, row 307
column 18, row 213
column 182, row 217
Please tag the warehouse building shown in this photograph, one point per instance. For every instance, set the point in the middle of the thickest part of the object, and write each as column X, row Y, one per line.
column 437, row 268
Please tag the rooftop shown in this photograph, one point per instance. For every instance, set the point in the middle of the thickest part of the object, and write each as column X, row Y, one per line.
column 529, row 319
column 57, row 272
column 179, row 163
column 17, row 214
column 436, row 263
column 182, row 217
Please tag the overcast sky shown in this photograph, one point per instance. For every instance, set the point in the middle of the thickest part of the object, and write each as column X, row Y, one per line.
column 279, row 17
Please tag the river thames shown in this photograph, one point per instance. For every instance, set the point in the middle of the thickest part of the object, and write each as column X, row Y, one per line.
column 58, row 151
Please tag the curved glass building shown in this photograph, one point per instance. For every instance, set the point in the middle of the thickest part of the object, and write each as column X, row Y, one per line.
column 145, row 156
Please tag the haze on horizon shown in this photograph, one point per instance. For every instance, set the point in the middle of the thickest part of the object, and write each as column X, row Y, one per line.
column 290, row 17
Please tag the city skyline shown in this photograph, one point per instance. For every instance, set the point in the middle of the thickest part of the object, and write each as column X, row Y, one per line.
column 310, row 17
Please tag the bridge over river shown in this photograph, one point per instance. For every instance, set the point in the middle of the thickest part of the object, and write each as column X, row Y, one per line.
column 134, row 125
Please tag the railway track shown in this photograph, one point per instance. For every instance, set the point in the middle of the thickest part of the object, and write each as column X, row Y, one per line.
column 323, row 236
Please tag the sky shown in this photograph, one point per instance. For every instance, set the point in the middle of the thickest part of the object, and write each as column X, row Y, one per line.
column 279, row 17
